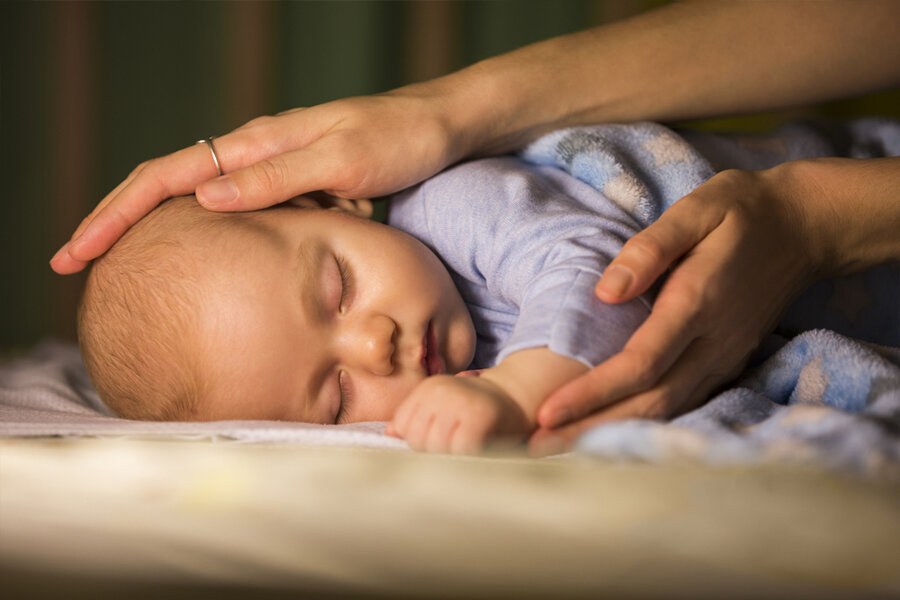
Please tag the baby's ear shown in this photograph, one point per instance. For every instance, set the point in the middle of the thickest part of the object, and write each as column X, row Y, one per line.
column 360, row 208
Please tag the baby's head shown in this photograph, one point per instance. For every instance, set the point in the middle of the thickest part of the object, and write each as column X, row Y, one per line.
column 291, row 313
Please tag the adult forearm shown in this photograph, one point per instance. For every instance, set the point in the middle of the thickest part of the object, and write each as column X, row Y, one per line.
column 687, row 60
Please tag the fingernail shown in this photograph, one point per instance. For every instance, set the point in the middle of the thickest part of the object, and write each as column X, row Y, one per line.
column 60, row 252
column 217, row 192
column 615, row 281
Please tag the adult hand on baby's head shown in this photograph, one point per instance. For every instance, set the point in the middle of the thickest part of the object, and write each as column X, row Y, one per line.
column 353, row 148
column 742, row 249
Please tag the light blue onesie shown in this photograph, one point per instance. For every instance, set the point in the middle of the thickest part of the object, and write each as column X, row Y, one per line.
column 525, row 245
column 526, row 242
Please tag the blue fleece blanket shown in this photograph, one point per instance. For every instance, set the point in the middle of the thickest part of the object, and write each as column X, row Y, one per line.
column 825, row 391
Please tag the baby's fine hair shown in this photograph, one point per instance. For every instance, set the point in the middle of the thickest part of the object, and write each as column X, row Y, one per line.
column 137, row 319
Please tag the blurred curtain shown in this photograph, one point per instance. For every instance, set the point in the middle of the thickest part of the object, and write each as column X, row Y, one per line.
column 88, row 90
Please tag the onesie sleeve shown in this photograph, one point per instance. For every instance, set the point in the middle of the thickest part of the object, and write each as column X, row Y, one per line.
column 529, row 242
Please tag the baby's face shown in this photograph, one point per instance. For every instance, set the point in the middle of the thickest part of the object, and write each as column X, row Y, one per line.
column 324, row 317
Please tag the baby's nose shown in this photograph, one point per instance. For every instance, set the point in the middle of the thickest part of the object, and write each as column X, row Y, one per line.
column 369, row 344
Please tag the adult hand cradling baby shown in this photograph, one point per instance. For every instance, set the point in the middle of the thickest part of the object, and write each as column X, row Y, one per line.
column 740, row 247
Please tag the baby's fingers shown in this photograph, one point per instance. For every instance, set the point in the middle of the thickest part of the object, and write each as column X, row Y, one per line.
column 413, row 422
column 418, row 430
column 399, row 425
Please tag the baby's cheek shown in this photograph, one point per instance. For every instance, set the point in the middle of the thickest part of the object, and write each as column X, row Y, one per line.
column 461, row 346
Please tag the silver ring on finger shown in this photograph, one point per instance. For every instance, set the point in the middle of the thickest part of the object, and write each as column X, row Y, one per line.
column 212, row 150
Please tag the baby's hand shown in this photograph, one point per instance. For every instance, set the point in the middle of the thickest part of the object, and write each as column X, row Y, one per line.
column 459, row 415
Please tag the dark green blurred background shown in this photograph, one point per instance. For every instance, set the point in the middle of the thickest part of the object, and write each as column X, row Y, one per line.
column 89, row 90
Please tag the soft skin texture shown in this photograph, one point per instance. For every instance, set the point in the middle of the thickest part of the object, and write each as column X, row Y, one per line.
column 686, row 60
column 298, row 314
column 463, row 415
column 333, row 312
column 320, row 316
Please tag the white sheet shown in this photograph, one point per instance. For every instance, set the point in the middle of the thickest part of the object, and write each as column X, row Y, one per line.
column 48, row 393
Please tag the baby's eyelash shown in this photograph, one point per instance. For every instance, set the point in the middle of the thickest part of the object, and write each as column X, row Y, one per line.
column 345, row 397
column 346, row 279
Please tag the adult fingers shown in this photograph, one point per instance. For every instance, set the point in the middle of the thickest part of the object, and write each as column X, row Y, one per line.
column 165, row 177
column 687, row 385
column 106, row 199
column 652, row 349
column 648, row 254
column 176, row 174
column 274, row 179
column 62, row 262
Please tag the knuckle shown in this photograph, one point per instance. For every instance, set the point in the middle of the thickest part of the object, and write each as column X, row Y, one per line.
column 686, row 299
column 260, row 121
column 644, row 368
column 270, row 174
column 645, row 247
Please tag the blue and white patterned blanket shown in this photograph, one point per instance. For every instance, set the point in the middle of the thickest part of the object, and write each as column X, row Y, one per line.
column 829, row 394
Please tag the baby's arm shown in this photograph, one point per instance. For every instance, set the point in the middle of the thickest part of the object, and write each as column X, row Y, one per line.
column 463, row 414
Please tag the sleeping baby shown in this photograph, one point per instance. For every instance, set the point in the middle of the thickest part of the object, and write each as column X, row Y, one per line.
column 311, row 312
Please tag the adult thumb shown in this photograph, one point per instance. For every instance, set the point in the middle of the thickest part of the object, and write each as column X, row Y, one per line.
column 646, row 256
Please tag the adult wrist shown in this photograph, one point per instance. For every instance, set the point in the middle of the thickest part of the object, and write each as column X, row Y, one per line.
column 847, row 209
column 807, row 204
column 455, row 107
column 471, row 109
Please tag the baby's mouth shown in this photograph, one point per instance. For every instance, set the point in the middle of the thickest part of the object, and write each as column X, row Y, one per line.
column 431, row 359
